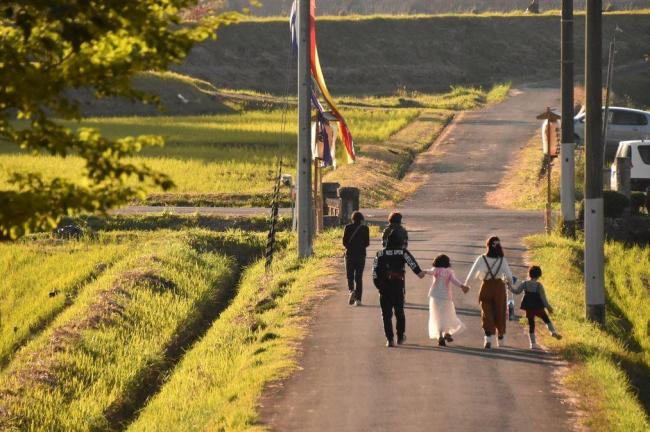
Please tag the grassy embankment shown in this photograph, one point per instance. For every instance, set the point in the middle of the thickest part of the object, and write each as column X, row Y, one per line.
column 380, row 55
column 27, row 304
column 253, row 342
column 524, row 186
column 95, row 364
column 611, row 365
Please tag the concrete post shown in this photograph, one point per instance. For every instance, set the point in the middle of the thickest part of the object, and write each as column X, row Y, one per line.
column 594, row 271
column 623, row 179
column 349, row 203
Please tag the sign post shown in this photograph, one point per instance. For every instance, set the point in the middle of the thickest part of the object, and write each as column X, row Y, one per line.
column 550, row 148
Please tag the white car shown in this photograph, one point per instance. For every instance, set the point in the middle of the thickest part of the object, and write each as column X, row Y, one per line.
column 624, row 124
column 639, row 152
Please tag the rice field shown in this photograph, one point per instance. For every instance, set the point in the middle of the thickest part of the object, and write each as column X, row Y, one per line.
column 27, row 304
column 219, row 154
column 96, row 362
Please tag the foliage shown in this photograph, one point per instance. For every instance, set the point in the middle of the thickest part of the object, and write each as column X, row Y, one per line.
column 612, row 364
column 614, row 205
column 48, row 48
column 252, row 343
column 232, row 156
column 638, row 202
column 93, row 367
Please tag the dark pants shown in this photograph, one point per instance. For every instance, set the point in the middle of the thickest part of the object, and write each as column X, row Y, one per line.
column 531, row 314
column 391, row 298
column 354, row 268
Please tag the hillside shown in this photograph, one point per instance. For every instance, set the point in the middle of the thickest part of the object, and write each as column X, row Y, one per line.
column 382, row 55
column 368, row 7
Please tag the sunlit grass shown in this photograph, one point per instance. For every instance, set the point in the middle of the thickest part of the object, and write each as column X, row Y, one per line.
column 613, row 363
column 88, row 370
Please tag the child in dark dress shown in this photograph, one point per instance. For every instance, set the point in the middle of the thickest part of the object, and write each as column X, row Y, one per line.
column 535, row 304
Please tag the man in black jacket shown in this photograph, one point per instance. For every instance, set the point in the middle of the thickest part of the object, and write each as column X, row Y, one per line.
column 388, row 277
column 395, row 228
column 356, row 239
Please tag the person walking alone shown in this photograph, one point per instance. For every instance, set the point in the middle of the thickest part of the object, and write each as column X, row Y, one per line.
column 494, row 273
column 388, row 277
column 356, row 239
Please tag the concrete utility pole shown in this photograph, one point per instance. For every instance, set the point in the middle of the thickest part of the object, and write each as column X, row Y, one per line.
column 594, row 217
column 303, row 199
column 567, row 147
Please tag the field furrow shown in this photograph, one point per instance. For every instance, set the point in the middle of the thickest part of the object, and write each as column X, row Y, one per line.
column 100, row 359
column 41, row 279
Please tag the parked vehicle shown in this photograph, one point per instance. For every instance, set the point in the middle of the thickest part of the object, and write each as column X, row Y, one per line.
column 639, row 153
column 624, row 124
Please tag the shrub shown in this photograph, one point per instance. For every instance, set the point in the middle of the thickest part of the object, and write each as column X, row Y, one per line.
column 637, row 202
column 614, row 204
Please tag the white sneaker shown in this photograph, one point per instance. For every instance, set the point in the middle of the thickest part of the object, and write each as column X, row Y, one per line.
column 501, row 342
column 487, row 342
column 357, row 302
column 534, row 346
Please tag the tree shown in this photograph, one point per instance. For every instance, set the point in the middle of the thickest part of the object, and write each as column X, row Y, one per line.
column 47, row 48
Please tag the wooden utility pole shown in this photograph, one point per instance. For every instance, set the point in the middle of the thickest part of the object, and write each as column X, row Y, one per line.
column 593, row 210
column 304, row 203
column 610, row 77
column 567, row 147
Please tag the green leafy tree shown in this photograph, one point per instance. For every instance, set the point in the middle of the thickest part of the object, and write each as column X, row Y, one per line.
column 47, row 48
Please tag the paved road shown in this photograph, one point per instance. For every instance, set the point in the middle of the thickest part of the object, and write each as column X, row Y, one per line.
column 349, row 381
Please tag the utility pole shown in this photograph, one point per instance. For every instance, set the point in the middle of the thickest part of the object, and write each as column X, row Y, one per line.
column 567, row 147
column 594, row 217
column 303, row 198
column 610, row 76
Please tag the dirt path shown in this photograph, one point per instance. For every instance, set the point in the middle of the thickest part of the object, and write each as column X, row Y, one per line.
column 349, row 381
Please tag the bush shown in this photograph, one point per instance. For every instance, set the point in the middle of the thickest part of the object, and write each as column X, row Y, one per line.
column 614, row 204
column 637, row 202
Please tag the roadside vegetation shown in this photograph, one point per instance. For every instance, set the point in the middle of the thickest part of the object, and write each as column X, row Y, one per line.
column 611, row 365
column 525, row 185
column 96, row 363
column 252, row 343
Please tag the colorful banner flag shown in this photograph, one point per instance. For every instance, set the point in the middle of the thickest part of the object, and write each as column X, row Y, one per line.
column 317, row 74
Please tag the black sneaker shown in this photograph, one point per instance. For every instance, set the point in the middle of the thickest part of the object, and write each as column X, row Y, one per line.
column 352, row 298
column 390, row 343
column 401, row 339
column 448, row 337
column 441, row 341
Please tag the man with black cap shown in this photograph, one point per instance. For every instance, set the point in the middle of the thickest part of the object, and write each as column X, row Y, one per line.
column 388, row 277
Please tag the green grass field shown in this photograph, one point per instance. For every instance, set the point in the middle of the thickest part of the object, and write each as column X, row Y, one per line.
column 94, row 365
column 611, row 364
column 230, row 156
column 27, row 304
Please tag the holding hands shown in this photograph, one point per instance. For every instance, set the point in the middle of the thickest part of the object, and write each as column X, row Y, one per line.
column 465, row 289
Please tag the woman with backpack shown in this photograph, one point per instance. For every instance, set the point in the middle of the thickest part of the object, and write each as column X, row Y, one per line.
column 493, row 271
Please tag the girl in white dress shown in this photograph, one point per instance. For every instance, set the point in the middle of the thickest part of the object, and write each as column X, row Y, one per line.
column 443, row 322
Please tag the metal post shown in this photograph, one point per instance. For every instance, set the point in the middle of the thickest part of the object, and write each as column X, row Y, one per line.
column 594, row 218
column 567, row 147
column 304, row 200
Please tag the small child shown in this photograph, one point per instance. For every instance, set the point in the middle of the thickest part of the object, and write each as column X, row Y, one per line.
column 443, row 322
column 535, row 303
